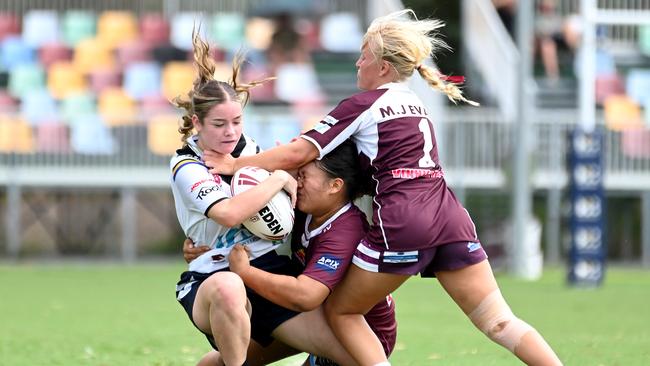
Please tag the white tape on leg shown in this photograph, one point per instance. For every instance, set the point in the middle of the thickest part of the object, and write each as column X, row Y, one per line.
column 494, row 318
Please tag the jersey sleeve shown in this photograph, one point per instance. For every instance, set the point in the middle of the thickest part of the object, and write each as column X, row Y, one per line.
column 332, row 255
column 339, row 125
column 197, row 187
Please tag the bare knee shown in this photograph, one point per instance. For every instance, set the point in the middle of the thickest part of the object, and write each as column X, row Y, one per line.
column 225, row 291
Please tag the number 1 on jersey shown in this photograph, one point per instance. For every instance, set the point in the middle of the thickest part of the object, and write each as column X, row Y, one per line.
column 425, row 128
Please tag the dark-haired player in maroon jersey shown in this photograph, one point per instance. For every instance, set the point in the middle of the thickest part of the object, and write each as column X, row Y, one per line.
column 323, row 243
column 418, row 224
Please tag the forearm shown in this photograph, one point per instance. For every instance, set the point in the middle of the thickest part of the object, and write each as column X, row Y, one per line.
column 285, row 157
column 283, row 290
column 237, row 209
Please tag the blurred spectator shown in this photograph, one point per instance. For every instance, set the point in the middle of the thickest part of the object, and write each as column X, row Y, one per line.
column 287, row 45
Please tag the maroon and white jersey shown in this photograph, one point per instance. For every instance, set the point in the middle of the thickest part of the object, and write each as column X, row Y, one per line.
column 413, row 207
column 326, row 253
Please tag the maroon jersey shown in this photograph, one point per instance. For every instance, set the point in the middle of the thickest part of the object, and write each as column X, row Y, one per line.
column 326, row 253
column 413, row 207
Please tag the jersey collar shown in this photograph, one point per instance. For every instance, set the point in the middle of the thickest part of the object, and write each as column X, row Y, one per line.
column 310, row 234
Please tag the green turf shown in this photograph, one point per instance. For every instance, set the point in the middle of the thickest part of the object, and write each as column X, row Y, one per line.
column 127, row 315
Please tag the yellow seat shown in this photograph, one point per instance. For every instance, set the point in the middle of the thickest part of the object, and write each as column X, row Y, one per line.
column 621, row 112
column 177, row 79
column 116, row 107
column 163, row 137
column 117, row 27
column 65, row 79
column 258, row 32
column 15, row 136
column 91, row 54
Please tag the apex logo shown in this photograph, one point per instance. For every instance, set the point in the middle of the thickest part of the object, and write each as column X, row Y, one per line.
column 328, row 263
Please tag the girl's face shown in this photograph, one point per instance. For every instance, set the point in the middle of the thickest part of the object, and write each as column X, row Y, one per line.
column 368, row 70
column 313, row 190
column 221, row 127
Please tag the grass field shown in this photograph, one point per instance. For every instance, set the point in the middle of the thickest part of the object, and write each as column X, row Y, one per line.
column 127, row 315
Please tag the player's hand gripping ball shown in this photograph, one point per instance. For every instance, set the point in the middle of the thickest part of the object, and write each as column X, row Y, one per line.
column 275, row 220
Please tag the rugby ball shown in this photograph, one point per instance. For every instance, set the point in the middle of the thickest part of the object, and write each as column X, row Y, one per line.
column 275, row 220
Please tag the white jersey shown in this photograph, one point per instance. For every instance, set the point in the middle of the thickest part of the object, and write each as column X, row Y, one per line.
column 195, row 191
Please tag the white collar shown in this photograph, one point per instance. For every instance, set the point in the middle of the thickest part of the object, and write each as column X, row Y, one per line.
column 310, row 234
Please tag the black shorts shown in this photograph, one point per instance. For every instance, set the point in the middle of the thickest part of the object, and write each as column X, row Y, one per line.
column 265, row 317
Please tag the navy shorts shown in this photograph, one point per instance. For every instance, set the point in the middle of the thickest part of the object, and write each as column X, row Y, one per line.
column 266, row 315
column 426, row 262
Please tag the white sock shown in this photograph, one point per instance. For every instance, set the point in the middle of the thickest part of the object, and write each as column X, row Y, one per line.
column 383, row 364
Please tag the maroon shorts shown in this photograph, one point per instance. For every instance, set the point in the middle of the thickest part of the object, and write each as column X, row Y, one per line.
column 426, row 262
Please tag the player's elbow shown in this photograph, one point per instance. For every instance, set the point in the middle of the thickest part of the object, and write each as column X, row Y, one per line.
column 223, row 215
column 304, row 305
column 305, row 301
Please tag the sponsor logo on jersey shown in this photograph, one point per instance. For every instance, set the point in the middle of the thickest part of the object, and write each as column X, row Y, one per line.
column 204, row 191
column 401, row 257
column 324, row 125
column 197, row 184
column 473, row 246
column 328, row 263
column 408, row 173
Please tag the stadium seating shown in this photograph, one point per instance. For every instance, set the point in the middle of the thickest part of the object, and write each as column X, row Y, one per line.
column 142, row 79
column 133, row 51
column 644, row 39
column 635, row 142
column 54, row 52
column 40, row 27
column 296, row 82
column 38, row 106
column 608, row 85
column 116, row 27
column 90, row 136
column 64, row 79
column 77, row 105
column 155, row 104
column 93, row 53
column 177, row 79
column 181, row 29
column 228, row 30
column 637, row 84
column 258, row 32
column 154, row 29
column 7, row 103
column 52, row 137
column 163, row 137
column 25, row 78
column 9, row 25
column 621, row 112
column 15, row 136
column 104, row 78
column 77, row 26
column 336, row 24
column 116, row 107
column 14, row 51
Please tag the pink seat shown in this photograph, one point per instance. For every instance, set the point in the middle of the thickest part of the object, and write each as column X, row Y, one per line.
column 52, row 137
column 53, row 52
column 154, row 29
column 635, row 142
column 132, row 52
column 9, row 25
column 7, row 103
column 104, row 78
column 152, row 105
column 608, row 85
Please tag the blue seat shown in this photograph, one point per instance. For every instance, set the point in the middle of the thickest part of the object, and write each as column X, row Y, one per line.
column 40, row 27
column 181, row 29
column 90, row 136
column 38, row 106
column 14, row 51
column 637, row 85
column 142, row 79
